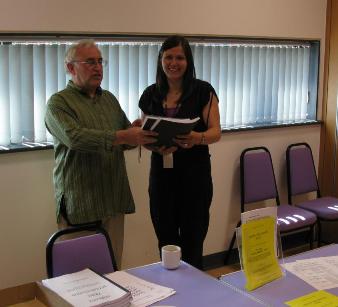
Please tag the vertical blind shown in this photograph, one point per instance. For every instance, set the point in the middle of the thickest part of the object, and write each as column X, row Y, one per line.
column 257, row 83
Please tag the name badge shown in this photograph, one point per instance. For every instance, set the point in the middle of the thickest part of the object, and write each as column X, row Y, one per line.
column 168, row 161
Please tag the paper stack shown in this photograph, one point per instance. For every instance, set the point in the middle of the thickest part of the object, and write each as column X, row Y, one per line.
column 87, row 288
column 144, row 293
column 320, row 272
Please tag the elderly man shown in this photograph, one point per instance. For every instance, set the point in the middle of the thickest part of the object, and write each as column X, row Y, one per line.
column 90, row 132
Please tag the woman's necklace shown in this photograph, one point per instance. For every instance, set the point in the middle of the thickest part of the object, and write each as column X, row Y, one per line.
column 165, row 106
column 172, row 111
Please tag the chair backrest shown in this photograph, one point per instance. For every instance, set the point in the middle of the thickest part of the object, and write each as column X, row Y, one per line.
column 301, row 171
column 92, row 250
column 258, row 181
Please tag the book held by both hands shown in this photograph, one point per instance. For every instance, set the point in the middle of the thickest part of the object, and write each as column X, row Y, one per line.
column 168, row 128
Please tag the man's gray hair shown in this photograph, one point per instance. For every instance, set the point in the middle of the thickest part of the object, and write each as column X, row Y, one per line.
column 70, row 55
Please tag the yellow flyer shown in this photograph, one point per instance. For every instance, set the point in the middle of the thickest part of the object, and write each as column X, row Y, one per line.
column 258, row 252
column 315, row 299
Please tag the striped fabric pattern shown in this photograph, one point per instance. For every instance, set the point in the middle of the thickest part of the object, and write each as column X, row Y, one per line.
column 90, row 173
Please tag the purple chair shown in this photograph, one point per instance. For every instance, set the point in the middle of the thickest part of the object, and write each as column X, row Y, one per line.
column 302, row 179
column 90, row 250
column 258, row 184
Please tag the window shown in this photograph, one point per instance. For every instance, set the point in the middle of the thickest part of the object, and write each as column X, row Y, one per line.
column 259, row 83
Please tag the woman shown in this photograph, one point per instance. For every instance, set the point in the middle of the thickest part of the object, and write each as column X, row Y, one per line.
column 180, row 185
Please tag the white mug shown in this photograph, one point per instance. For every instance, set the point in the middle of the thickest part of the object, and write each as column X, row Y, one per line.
column 171, row 256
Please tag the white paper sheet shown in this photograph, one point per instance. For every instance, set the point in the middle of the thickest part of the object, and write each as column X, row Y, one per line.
column 144, row 293
column 87, row 288
column 258, row 214
column 321, row 273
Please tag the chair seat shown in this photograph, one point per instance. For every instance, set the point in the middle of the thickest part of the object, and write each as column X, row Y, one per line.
column 292, row 218
column 326, row 208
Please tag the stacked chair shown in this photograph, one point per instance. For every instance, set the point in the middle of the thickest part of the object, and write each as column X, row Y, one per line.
column 258, row 184
column 92, row 249
column 302, row 180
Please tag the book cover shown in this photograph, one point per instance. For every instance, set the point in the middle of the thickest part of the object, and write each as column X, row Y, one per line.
column 168, row 128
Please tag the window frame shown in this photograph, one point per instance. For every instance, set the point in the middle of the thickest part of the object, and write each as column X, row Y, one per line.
column 314, row 73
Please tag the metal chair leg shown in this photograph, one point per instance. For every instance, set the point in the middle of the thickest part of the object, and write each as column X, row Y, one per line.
column 312, row 232
column 232, row 243
column 230, row 248
column 319, row 236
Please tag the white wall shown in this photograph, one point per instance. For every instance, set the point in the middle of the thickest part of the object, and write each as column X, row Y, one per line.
column 26, row 197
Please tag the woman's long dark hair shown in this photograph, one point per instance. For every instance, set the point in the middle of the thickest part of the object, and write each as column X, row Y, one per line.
column 189, row 75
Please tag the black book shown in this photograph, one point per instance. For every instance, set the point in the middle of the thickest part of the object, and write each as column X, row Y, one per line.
column 168, row 128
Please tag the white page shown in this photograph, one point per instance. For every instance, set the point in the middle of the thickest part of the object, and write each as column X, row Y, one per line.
column 155, row 124
column 171, row 119
column 144, row 293
column 330, row 260
column 320, row 273
column 85, row 288
column 258, row 214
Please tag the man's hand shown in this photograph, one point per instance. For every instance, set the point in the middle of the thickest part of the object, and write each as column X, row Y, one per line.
column 135, row 136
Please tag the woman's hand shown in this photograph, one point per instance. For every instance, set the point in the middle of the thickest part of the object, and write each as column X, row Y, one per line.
column 137, row 123
column 188, row 140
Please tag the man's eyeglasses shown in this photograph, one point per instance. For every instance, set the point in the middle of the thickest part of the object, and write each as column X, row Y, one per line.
column 92, row 62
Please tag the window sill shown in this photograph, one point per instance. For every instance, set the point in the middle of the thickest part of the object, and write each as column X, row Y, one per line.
column 47, row 145
column 270, row 125
column 25, row 147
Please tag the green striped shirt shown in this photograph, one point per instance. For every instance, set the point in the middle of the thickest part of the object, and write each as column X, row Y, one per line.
column 90, row 173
